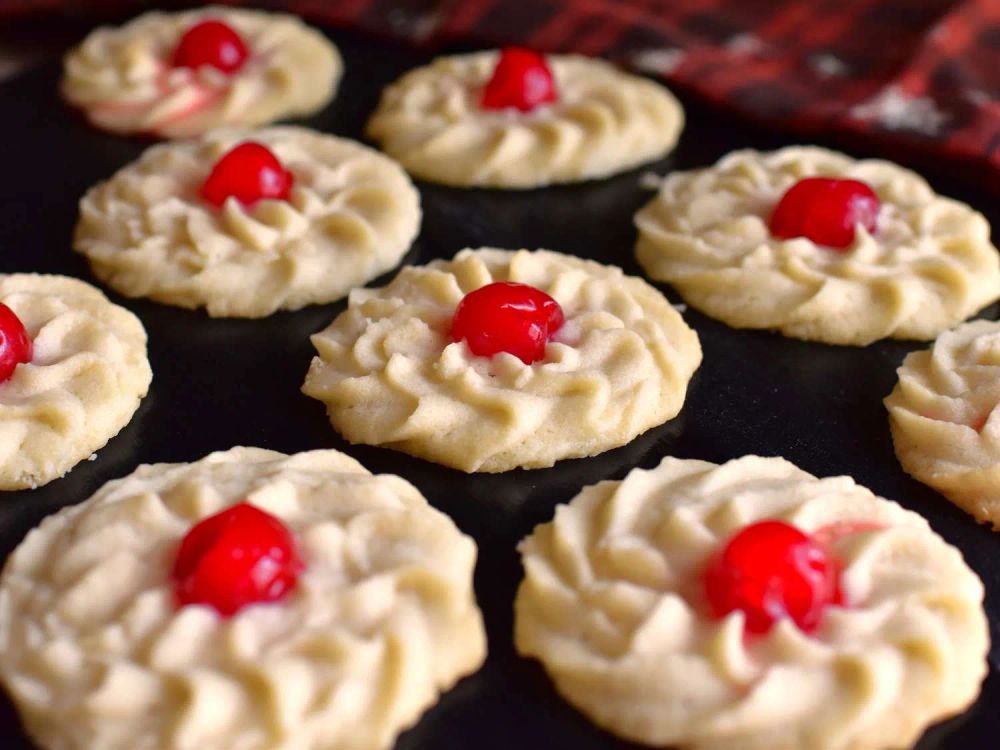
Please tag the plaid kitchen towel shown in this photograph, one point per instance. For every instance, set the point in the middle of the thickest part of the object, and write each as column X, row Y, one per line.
column 916, row 77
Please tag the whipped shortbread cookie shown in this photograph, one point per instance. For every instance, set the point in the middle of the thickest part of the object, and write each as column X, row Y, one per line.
column 751, row 606
column 945, row 424
column 177, row 75
column 819, row 246
column 73, row 369
column 518, row 119
column 248, row 600
column 244, row 223
column 499, row 359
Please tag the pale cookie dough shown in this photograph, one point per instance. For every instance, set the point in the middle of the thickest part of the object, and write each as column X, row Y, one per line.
column 944, row 420
column 84, row 382
column 390, row 376
column 96, row 655
column 929, row 265
column 612, row 606
column 605, row 121
column 351, row 215
column 122, row 79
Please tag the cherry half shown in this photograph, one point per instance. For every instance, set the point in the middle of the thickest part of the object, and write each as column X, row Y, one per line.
column 826, row 211
column 235, row 558
column 249, row 172
column 521, row 79
column 771, row 570
column 15, row 344
column 212, row 43
column 507, row 317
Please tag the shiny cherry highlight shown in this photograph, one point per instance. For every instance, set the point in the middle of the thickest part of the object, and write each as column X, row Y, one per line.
column 15, row 344
column 770, row 571
column 235, row 558
column 248, row 172
column 521, row 80
column 212, row 43
column 826, row 211
column 507, row 317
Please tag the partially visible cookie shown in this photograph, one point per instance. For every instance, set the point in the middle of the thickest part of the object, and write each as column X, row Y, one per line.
column 819, row 246
column 499, row 359
column 944, row 419
column 517, row 119
column 244, row 223
column 751, row 606
column 177, row 75
column 74, row 371
column 247, row 600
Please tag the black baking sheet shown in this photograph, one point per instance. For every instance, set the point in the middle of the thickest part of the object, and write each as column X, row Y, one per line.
column 220, row 383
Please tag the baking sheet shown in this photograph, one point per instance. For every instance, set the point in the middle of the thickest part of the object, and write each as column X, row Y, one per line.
column 220, row 383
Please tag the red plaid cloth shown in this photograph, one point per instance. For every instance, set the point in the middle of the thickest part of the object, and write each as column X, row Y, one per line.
column 918, row 77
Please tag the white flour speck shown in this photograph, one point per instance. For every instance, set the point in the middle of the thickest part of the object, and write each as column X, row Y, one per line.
column 896, row 110
column 659, row 61
column 680, row 307
column 92, row 457
column 744, row 44
column 828, row 66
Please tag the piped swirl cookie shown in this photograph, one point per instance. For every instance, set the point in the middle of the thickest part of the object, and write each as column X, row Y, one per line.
column 244, row 223
column 751, row 606
column 177, row 75
column 518, row 119
column 499, row 359
column 248, row 600
column 944, row 417
column 819, row 246
column 73, row 369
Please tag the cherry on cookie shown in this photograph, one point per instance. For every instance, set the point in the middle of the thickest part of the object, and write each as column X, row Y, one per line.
column 15, row 344
column 771, row 570
column 521, row 80
column 826, row 211
column 211, row 43
column 249, row 172
column 507, row 317
column 235, row 558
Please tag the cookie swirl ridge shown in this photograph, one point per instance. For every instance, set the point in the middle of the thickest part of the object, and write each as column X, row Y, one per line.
column 929, row 265
column 123, row 81
column 85, row 381
column 612, row 605
column 605, row 121
column 389, row 375
column 944, row 421
column 95, row 653
column 351, row 215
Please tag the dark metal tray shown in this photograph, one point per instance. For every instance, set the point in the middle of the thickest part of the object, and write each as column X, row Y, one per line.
column 220, row 383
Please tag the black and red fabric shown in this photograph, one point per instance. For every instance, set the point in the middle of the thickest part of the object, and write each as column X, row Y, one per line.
column 910, row 77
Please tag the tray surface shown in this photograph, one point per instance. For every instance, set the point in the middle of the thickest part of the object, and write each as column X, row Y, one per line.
column 220, row 383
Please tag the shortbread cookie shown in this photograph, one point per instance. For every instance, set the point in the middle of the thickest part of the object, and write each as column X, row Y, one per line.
column 593, row 121
column 133, row 620
column 912, row 265
column 74, row 371
column 945, row 424
column 175, row 228
column 751, row 606
column 398, row 367
column 176, row 75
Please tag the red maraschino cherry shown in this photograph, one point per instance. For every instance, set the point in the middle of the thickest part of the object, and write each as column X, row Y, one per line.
column 211, row 42
column 15, row 344
column 826, row 211
column 235, row 558
column 249, row 172
column 507, row 317
column 771, row 570
column 521, row 79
